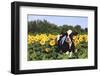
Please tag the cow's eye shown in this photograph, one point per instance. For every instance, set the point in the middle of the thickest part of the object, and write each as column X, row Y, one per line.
column 70, row 35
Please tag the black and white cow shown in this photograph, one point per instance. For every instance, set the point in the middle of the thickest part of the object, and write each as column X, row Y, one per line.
column 65, row 42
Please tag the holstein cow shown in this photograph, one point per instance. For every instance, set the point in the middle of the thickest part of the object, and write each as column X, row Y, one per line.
column 65, row 42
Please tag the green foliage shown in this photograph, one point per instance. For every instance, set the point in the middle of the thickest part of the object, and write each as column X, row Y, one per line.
column 38, row 26
column 37, row 52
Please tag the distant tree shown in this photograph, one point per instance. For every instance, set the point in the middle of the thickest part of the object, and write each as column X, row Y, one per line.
column 43, row 26
column 77, row 28
column 86, row 29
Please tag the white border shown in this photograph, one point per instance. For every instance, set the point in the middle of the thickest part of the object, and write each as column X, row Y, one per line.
column 26, row 65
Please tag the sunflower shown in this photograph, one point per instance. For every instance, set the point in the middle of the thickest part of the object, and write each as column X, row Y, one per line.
column 81, row 38
column 52, row 42
column 42, row 42
column 76, row 42
column 30, row 39
column 36, row 38
column 52, row 36
column 86, row 40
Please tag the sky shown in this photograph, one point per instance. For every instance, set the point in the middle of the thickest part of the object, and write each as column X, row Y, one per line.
column 61, row 20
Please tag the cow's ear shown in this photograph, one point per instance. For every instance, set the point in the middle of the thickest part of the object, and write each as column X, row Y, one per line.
column 75, row 33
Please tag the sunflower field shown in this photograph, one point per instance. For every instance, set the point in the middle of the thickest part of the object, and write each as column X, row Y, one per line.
column 43, row 47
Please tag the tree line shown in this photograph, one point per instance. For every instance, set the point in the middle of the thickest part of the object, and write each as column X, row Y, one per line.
column 44, row 26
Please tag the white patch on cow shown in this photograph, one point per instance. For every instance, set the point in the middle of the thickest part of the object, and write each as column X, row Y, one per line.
column 69, row 32
column 67, row 52
column 70, row 54
column 58, row 37
column 70, row 44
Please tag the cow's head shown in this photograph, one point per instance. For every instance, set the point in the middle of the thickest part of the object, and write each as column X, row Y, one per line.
column 69, row 36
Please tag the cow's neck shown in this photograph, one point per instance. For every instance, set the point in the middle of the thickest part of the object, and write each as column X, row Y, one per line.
column 70, row 44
